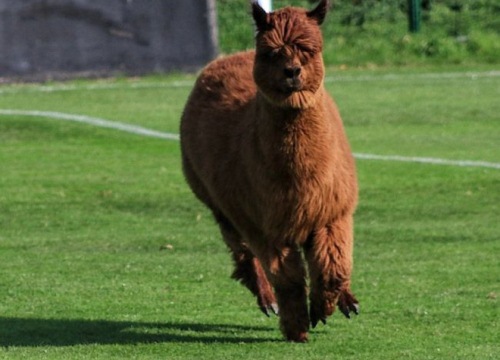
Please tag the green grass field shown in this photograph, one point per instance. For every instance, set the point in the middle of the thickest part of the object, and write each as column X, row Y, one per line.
column 104, row 252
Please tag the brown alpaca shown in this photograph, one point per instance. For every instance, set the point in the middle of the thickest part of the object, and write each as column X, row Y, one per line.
column 263, row 146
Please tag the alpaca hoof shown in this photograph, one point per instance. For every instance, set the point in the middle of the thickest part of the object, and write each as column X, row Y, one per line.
column 273, row 307
column 347, row 303
column 301, row 337
column 356, row 308
column 315, row 322
column 265, row 310
column 345, row 311
column 315, row 318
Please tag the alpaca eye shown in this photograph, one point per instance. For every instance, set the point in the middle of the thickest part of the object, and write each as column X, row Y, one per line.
column 273, row 53
column 268, row 54
column 306, row 56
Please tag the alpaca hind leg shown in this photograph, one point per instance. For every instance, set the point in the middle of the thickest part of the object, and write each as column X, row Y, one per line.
column 248, row 269
column 329, row 256
column 287, row 273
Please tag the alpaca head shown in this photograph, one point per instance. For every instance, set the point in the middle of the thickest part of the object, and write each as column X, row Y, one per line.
column 288, row 66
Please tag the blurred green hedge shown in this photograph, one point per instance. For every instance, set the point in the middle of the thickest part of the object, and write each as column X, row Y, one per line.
column 375, row 32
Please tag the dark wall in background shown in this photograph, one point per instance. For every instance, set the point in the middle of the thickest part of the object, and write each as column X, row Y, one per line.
column 55, row 38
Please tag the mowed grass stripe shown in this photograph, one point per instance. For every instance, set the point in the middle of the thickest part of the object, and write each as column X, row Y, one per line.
column 138, row 130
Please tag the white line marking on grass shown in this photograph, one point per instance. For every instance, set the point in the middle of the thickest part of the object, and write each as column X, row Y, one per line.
column 138, row 130
column 427, row 160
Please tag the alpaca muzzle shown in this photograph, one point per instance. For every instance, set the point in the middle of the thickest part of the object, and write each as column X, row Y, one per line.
column 292, row 78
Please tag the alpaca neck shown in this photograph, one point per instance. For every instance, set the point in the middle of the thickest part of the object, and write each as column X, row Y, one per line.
column 296, row 139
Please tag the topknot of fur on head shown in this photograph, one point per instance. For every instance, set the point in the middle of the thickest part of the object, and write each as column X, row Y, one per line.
column 289, row 67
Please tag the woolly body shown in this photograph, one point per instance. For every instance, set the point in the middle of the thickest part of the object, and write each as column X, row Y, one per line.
column 263, row 146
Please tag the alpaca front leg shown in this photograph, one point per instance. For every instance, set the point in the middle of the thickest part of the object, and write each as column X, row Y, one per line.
column 250, row 273
column 287, row 274
column 329, row 256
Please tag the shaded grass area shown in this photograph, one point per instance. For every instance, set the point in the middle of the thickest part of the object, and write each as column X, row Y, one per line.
column 105, row 253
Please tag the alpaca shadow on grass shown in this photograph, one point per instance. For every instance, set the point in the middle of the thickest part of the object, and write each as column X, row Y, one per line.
column 67, row 332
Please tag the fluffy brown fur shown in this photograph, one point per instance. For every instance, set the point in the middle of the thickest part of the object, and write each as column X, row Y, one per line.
column 263, row 146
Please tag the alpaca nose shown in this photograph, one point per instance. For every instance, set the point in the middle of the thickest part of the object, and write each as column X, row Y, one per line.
column 292, row 72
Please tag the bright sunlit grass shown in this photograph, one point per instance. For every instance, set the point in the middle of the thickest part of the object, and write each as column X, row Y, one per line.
column 104, row 252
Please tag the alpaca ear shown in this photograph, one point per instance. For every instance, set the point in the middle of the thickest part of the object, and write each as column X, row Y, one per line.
column 319, row 12
column 260, row 16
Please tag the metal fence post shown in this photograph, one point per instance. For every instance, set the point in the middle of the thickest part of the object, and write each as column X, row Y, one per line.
column 414, row 15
